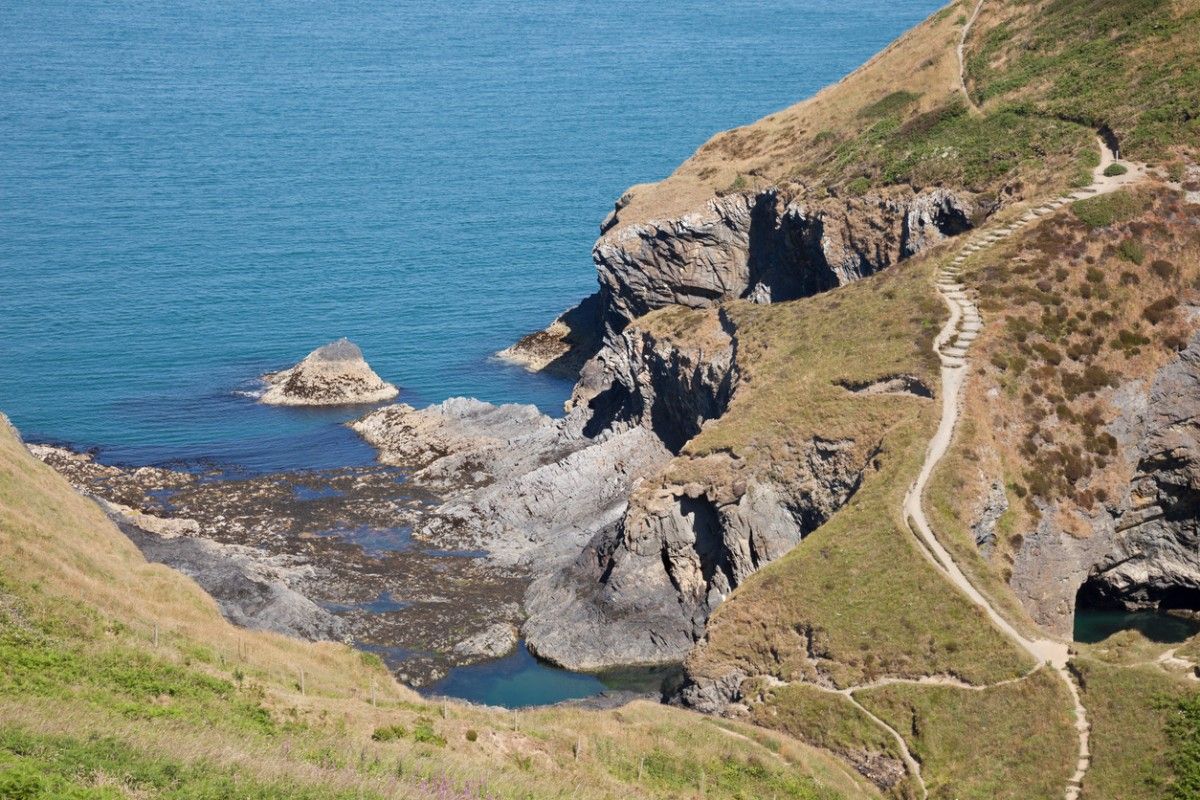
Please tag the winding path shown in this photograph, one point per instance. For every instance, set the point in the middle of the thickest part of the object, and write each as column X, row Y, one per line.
column 951, row 345
column 962, row 64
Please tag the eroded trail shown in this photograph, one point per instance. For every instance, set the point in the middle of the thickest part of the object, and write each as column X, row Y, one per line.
column 952, row 345
column 962, row 64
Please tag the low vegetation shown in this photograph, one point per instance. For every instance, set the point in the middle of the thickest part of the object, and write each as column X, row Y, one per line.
column 857, row 600
column 1125, row 65
column 1145, row 738
column 1010, row 742
column 1084, row 302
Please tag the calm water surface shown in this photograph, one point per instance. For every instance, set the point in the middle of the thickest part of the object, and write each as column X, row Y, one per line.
column 195, row 192
column 1096, row 625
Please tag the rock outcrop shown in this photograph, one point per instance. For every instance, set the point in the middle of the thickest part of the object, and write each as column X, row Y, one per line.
column 1143, row 547
column 335, row 374
column 765, row 247
column 565, row 345
column 641, row 592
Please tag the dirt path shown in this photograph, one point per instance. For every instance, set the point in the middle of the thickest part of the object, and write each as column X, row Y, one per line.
column 952, row 344
column 962, row 64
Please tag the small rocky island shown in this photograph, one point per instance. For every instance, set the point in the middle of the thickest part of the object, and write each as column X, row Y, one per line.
column 333, row 375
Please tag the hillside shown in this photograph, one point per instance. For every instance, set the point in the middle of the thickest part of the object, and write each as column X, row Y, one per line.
column 120, row 679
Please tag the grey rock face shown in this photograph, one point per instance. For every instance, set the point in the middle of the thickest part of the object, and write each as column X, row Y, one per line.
column 1144, row 549
column 984, row 527
column 252, row 588
column 642, row 591
column 493, row 642
column 761, row 247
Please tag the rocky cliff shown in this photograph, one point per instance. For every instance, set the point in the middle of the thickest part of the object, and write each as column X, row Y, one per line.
column 1140, row 549
column 763, row 246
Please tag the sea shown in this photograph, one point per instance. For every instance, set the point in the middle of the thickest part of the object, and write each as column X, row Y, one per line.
column 194, row 193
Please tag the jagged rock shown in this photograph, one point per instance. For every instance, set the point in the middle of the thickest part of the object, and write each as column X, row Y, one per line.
column 642, row 591
column 335, row 374
column 762, row 247
column 252, row 588
column 984, row 527
column 492, row 642
column 459, row 441
column 564, row 346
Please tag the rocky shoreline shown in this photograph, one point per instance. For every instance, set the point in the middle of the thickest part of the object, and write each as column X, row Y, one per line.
column 483, row 523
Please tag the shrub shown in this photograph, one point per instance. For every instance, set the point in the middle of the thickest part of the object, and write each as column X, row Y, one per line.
column 1113, row 170
column 858, row 186
column 472, row 735
column 1132, row 250
column 424, row 732
column 1107, row 209
column 1162, row 269
column 1094, row 275
column 1130, row 279
column 1160, row 309
column 389, row 733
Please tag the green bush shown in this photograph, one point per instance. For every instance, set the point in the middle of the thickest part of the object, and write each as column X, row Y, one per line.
column 1131, row 250
column 1113, row 170
column 424, row 732
column 389, row 733
column 1107, row 209
column 472, row 735
column 858, row 186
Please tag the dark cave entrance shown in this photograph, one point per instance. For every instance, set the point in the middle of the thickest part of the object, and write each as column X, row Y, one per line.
column 1166, row 615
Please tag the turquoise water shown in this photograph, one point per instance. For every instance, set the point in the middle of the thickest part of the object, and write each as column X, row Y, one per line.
column 519, row 680
column 1095, row 625
column 195, row 192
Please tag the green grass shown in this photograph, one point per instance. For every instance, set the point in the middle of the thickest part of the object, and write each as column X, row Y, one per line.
column 123, row 680
column 950, row 147
column 830, row 721
column 1108, row 209
column 1011, row 742
column 1144, row 732
column 42, row 767
column 1127, row 64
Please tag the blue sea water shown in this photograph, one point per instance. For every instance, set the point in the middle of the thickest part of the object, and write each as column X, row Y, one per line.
column 194, row 192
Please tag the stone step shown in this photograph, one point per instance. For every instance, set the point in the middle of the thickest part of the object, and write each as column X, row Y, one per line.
column 955, row 352
column 972, row 326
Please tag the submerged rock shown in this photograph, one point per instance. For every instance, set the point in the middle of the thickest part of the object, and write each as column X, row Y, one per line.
column 336, row 374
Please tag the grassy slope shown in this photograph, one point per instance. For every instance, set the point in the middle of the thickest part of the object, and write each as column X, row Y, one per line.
column 1142, row 747
column 89, row 707
column 874, row 606
column 1010, row 742
column 1133, row 65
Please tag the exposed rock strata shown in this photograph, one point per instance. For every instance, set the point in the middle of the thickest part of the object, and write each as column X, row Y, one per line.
column 766, row 248
column 642, row 592
column 335, row 374
column 1143, row 548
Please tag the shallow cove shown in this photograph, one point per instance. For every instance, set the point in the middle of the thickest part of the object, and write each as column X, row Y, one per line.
column 198, row 193
column 1094, row 625
column 519, row 680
